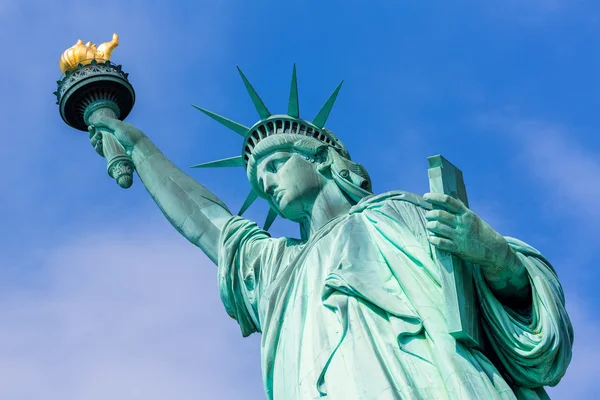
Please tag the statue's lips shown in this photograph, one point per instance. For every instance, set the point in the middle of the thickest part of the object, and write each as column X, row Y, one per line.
column 277, row 196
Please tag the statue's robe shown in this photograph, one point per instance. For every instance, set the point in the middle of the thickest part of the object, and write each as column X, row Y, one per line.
column 356, row 312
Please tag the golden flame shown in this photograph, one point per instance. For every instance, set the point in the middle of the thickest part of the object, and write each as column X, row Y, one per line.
column 84, row 54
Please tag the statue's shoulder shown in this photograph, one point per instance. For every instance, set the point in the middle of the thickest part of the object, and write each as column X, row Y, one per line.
column 407, row 209
column 390, row 198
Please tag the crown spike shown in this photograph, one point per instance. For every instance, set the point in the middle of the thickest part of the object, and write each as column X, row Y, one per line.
column 234, row 126
column 323, row 114
column 263, row 112
column 252, row 196
column 270, row 218
column 237, row 161
column 293, row 105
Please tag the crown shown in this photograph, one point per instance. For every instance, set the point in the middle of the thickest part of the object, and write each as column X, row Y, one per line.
column 273, row 124
column 83, row 54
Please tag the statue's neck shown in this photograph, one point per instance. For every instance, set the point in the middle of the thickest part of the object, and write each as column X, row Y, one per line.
column 330, row 203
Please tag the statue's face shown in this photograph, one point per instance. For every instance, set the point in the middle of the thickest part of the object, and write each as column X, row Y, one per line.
column 291, row 183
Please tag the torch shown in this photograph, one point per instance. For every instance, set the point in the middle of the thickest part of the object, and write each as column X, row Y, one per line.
column 91, row 87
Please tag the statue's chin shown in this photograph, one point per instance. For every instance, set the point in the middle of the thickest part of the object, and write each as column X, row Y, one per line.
column 290, row 211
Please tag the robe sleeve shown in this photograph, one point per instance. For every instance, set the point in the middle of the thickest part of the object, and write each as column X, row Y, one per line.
column 248, row 261
column 534, row 346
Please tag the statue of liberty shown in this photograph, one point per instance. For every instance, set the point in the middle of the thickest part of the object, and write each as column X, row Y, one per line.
column 353, row 309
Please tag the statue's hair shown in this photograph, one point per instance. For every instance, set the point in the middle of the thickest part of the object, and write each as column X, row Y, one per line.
column 352, row 178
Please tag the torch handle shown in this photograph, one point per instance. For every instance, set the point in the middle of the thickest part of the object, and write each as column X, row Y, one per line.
column 118, row 164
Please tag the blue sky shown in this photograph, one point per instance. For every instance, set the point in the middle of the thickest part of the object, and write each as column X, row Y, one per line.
column 99, row 296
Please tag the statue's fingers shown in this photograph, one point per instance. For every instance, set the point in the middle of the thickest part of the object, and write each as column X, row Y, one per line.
column 442, row 216
column 441, row 229
column 445, row 201
column 99, row 149
column 443, row 244
column 95, row 137
column 97, row 143
column 112, row 124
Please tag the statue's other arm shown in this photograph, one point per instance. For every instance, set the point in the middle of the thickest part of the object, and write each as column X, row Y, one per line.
column 508, row 279
column 532, row 336
column 534, row 344
column 191, row 208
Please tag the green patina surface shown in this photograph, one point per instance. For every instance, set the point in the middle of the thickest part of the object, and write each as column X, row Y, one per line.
column 370, row 301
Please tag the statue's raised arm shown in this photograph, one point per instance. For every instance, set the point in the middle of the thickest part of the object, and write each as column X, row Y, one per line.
column 191, row 208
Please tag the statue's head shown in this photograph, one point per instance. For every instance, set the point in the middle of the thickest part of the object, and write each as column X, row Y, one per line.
column 289, row 160
column 290, row 171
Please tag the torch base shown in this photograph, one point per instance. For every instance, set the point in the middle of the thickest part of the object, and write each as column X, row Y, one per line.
column 93, row 83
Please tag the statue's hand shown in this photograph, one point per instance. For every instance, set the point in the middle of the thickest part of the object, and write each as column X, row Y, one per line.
column 457, row 229
column 127, row 134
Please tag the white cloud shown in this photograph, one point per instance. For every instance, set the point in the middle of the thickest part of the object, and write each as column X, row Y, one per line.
column 564, row 165
column 123, row 315
column 558, row 161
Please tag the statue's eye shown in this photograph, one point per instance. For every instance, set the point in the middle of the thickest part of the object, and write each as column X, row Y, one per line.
column 278, row 163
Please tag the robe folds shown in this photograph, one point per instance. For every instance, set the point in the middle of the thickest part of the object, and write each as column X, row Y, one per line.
column 356, row 312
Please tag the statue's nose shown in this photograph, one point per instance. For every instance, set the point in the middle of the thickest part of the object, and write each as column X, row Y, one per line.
column 269, row 184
